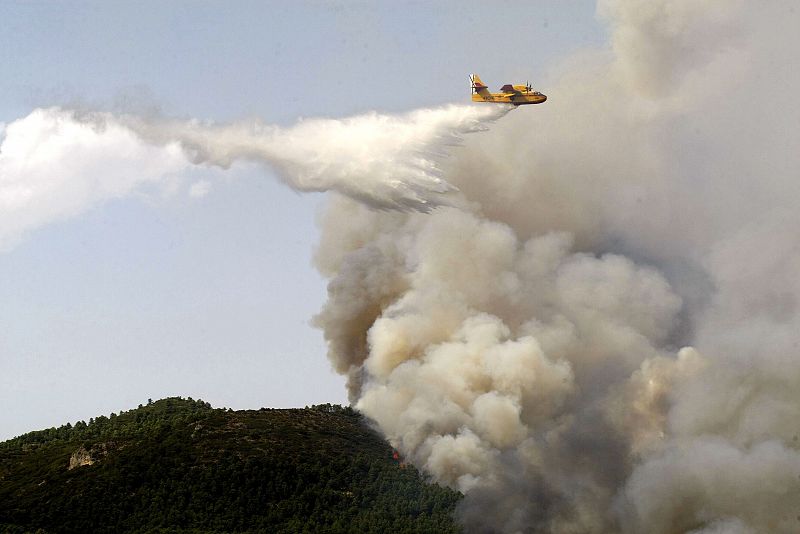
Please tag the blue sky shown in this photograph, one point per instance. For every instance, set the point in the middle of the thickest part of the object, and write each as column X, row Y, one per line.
column 156, row 295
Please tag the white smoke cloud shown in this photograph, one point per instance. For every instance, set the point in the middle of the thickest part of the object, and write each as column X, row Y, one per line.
column 58, row 163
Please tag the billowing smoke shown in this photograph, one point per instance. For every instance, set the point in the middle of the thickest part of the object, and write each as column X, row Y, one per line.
column 57, row 163
column 606, row 336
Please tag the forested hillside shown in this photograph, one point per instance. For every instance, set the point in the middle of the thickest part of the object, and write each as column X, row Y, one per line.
column 179, row 465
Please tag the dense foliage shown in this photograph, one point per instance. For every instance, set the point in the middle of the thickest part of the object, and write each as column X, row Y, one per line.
column 181, row 466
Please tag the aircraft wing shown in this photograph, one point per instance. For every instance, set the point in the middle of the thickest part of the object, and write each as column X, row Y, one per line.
column 508, row 88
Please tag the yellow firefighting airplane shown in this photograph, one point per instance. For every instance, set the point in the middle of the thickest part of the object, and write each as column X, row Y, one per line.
column 518, row 95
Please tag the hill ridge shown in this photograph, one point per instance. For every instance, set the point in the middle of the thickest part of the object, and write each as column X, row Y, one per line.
column 180, row 465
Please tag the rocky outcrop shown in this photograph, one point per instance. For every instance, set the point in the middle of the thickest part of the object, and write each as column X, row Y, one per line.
column 80, row 458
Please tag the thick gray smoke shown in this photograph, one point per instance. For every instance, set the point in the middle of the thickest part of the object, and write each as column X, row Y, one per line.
column 607, row 338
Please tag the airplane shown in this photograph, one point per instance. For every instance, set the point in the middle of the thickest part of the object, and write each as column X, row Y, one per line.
column 518, row 95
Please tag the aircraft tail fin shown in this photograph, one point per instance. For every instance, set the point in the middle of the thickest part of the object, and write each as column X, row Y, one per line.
column 480, row 91
column 476, row 83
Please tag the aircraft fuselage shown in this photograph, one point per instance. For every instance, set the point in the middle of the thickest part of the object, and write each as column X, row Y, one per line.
column 518, row 99
column 518, row 95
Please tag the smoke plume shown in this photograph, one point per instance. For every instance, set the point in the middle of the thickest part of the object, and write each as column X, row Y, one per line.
column 605, row 337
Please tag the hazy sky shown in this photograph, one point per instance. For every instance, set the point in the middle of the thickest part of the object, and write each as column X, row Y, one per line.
column 211, row 296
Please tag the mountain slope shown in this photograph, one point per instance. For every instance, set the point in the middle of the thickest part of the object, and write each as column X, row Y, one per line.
column 181, row 466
